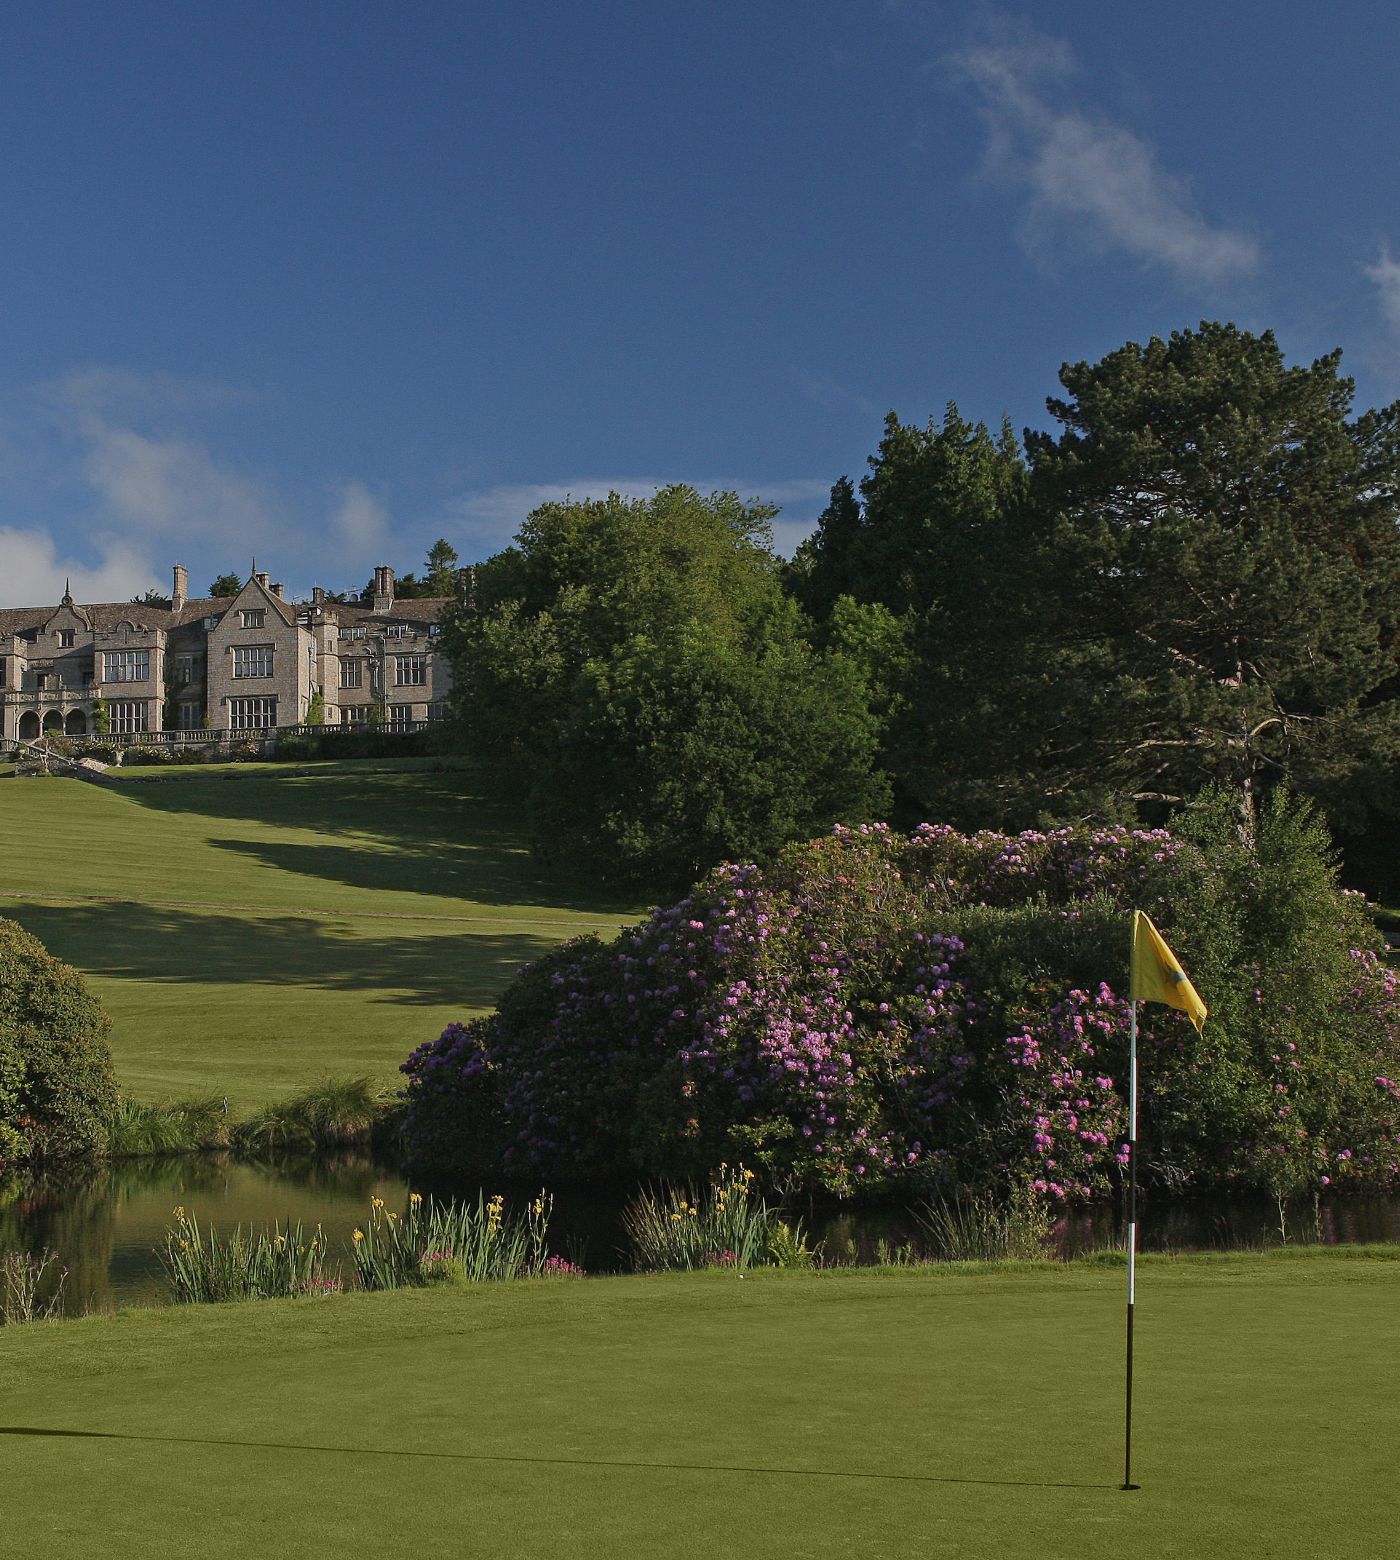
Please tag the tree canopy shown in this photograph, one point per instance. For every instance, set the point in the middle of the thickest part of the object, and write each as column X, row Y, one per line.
column 1194, row 582
column 632, row 668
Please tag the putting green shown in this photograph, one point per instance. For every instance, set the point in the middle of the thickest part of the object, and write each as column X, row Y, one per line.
column 929, row 1412
column 254, row 932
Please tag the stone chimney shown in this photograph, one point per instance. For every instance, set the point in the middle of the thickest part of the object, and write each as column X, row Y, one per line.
column 318, row 595
column 383, row 588
column 180, row 591
column 263, row 580
column 277, row 590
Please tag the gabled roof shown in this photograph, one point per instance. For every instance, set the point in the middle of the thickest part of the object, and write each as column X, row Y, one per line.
column 104, row 616
column 255, row 594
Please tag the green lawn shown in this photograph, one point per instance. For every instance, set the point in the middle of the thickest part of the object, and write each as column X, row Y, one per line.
column 924, row 1413
column 254, row 929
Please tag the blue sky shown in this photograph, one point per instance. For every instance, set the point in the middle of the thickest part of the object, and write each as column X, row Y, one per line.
column 327, row 281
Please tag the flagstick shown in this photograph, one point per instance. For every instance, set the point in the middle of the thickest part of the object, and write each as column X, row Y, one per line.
column 1132, row 1242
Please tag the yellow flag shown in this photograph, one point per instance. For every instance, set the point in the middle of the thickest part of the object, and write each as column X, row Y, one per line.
column 1157, row 977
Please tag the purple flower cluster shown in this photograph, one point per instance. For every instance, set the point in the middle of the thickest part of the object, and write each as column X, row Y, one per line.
column 1075, row 1118
column 835, row 1020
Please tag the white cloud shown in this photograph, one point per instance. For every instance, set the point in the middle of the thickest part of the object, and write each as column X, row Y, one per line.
column 1085, row 177
column 359, row 525
column 101, row 389
column 172, row 486
column 152, row 481
column 491, row 516
column 32, row 573
column 1386, row 275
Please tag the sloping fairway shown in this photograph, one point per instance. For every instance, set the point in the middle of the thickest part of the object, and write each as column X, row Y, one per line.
column 255, row 931
column 848, row 1413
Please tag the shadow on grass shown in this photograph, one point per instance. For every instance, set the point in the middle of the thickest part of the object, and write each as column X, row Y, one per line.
column 559, row 1462
column 157, row 944
column 410, row 831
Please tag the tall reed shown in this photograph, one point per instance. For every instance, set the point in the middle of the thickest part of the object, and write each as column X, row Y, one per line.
column 435, row 1242
column 984, row 1229
column 333, row 1114
column 203, row 1266
column 727, row 1224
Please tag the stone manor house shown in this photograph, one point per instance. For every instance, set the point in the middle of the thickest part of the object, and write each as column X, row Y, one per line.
column 220, row 664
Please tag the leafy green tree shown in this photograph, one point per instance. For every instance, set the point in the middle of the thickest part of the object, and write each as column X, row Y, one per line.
column 930, row 493
column 149, row 598
column 226, row 585
column 635, row 671
column 679, row 753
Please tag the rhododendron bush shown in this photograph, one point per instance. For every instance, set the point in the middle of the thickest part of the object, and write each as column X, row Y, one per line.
column 876, row 1012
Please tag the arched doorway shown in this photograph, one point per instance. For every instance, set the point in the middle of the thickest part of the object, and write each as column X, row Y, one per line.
column 28, row 726
column 76, row 724
column 53, row 723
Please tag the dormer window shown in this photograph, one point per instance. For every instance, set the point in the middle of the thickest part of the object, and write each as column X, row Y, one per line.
column 256, row 618
column 65, row 639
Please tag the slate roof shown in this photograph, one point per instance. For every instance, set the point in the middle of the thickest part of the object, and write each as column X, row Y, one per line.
column 105, row 616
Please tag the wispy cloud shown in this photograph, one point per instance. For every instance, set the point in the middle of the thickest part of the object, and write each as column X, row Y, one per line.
column 828, row 392
column 1084, row 176
column 150, row 479
column 35, row 570
column 1385, row 273
column 359, row 525
column 489, row 517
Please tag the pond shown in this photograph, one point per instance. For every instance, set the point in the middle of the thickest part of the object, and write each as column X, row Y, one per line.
column 106, row 1222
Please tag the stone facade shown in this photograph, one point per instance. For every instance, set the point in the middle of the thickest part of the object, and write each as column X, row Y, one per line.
column 220, row 664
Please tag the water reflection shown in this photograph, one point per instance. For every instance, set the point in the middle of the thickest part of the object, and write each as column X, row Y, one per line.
column 107, row 1221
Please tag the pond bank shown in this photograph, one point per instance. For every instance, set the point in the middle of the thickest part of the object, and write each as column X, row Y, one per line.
column 107, row 1221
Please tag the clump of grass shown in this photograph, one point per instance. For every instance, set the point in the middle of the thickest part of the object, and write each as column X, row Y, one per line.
column 452, row 1243
column 339, row 1113
column 983, row 1229
column 203, row 1266
column 728, row 1224
column 171, row 1127
column 31, row 1287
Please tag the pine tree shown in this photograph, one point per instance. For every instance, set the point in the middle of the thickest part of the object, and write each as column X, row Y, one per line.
column 1207, row 586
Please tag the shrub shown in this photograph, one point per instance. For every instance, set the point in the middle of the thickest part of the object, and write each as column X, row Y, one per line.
column 31, row 1287
column 949, row 1012
column 57, row 1092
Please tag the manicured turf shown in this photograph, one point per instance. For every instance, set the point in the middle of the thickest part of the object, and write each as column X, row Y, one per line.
column 855, row 1413
column 277, row 925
